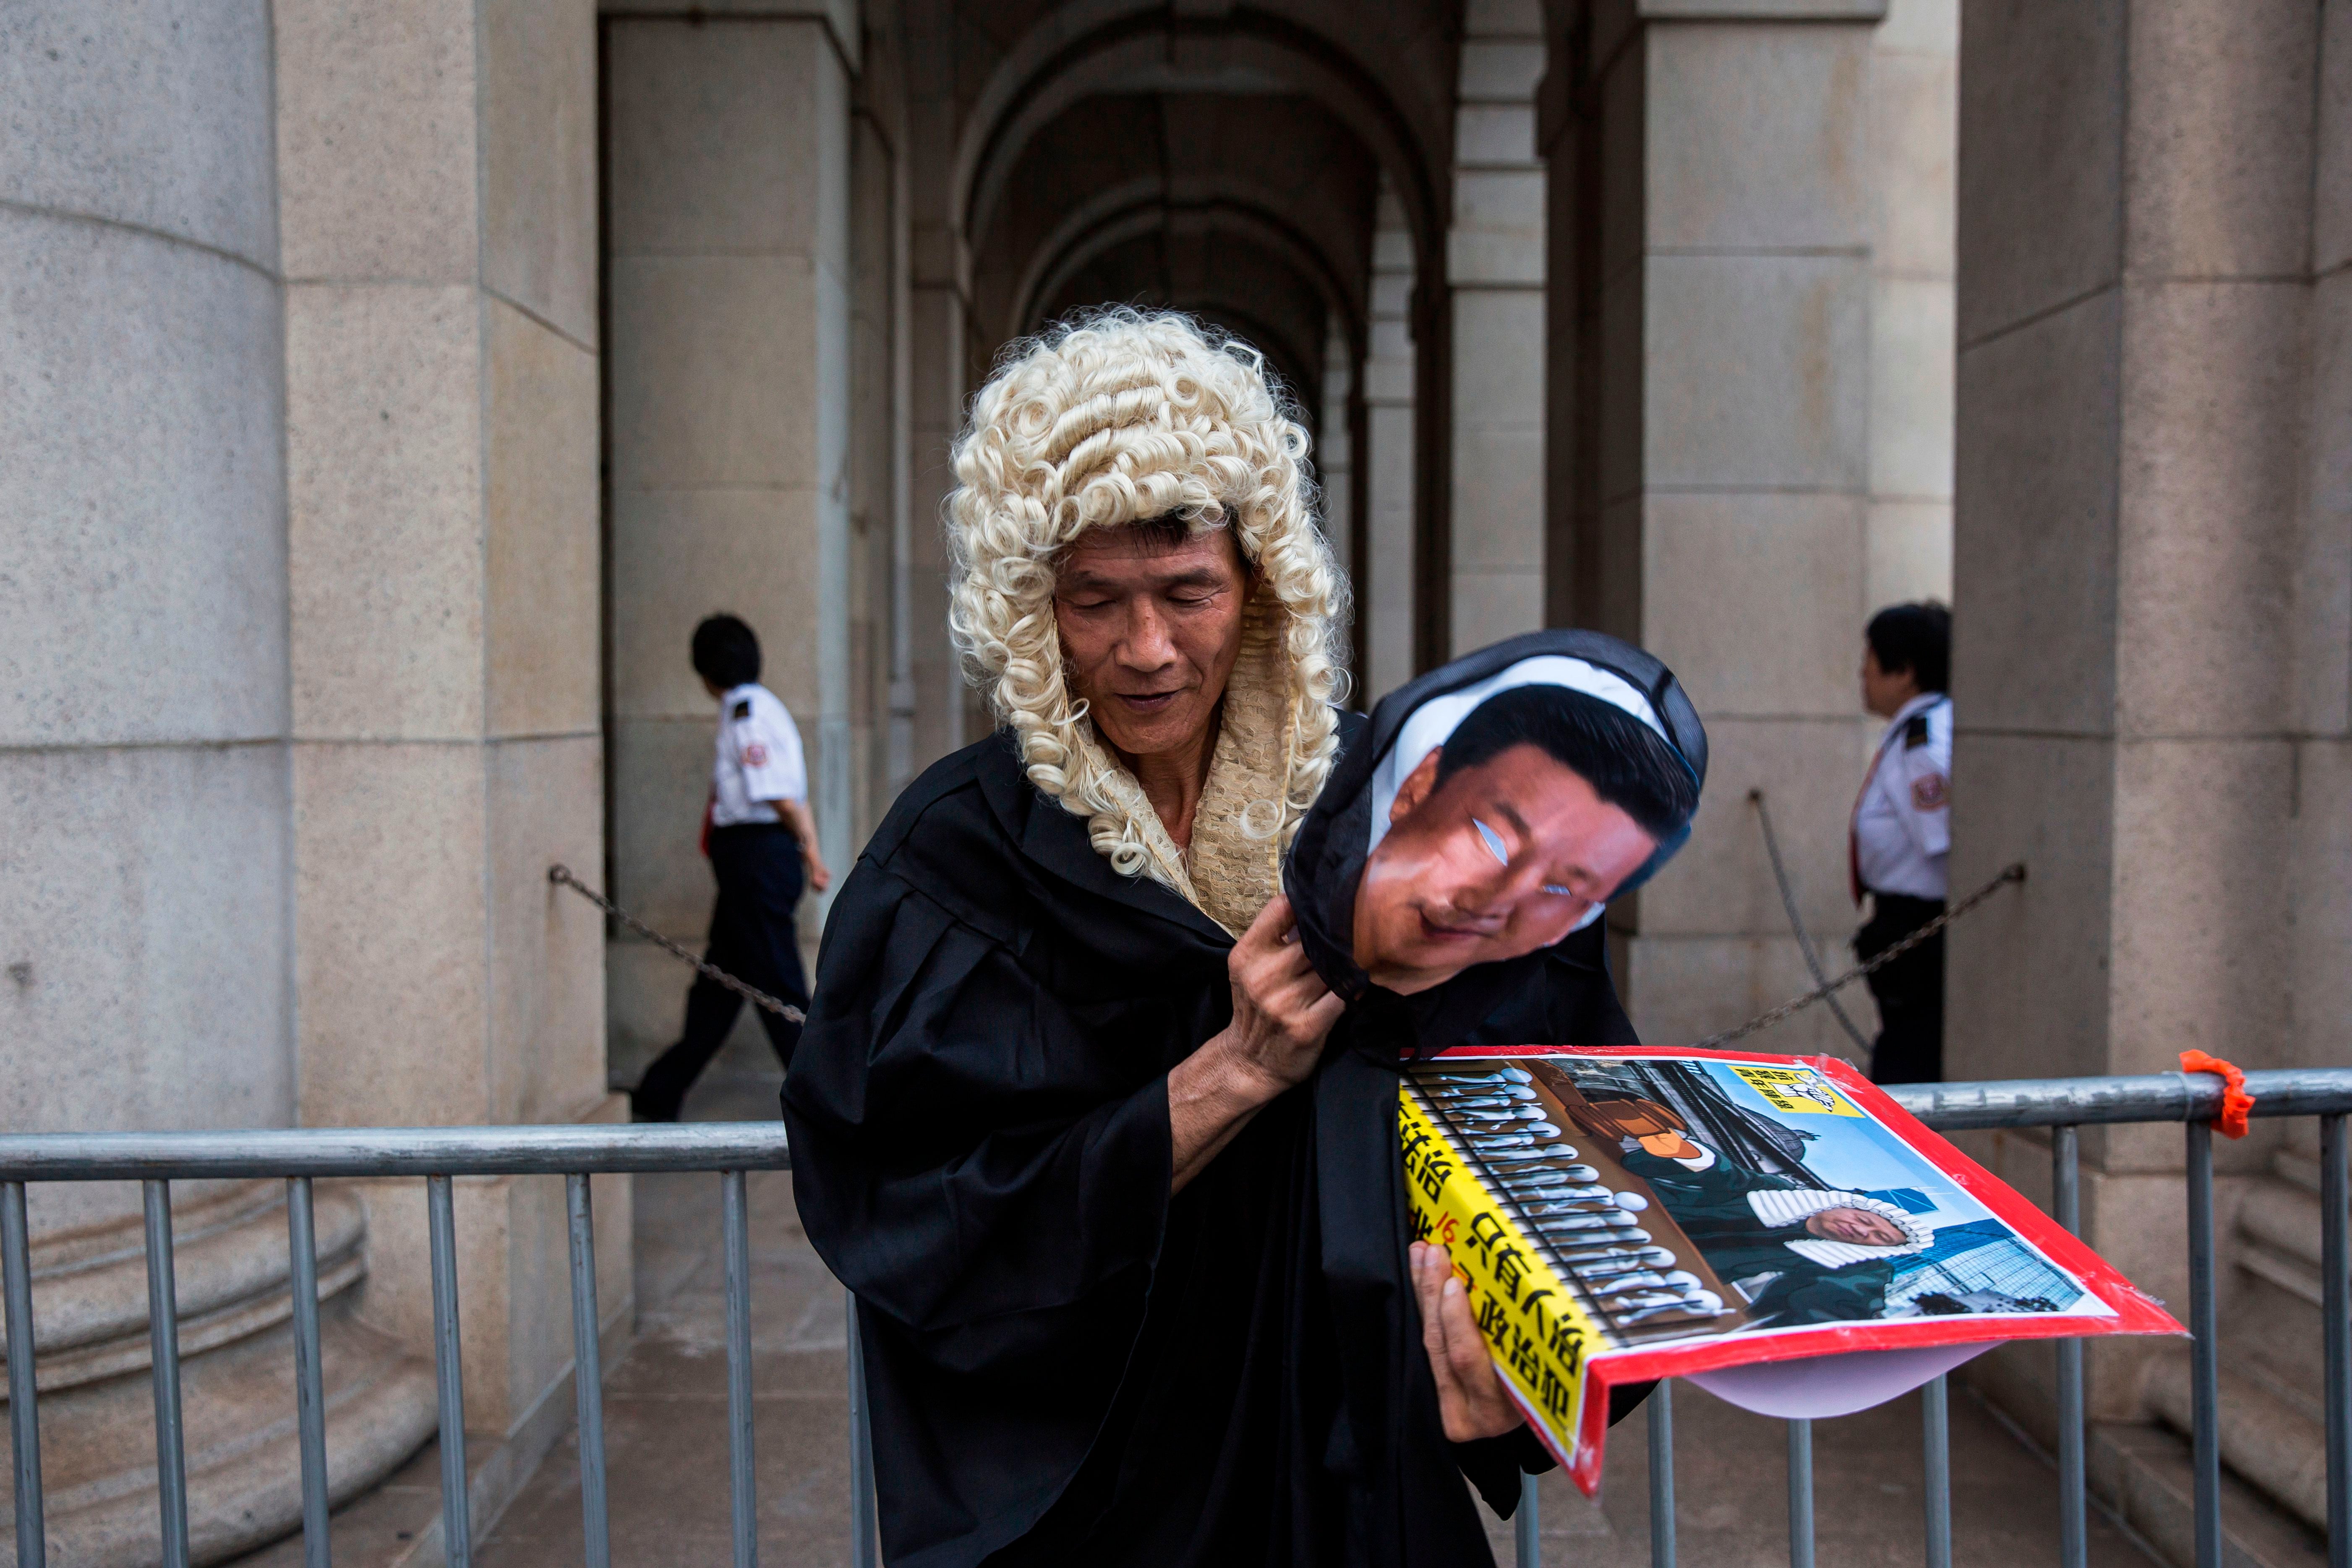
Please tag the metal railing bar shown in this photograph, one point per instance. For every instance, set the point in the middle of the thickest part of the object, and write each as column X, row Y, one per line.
column 1935, row 1404
column 1801, row 1493
column 1661, row 1474
column 2204, row 1349
column 2073, row 1505
column 310, row 1393
column 2152, row 1096
column 2336, row 1319
column 738, row 1236
column 392, row 1152
column 163, row 1365
column 865, row 1544
column 1526, row 1525
column 24, row 1413
column 457, row 1526
column 280, row 1153
column 587, row 1375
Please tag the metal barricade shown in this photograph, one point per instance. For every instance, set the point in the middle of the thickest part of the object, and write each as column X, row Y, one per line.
column 438, row 1154
column 731, row 1150
column 2064, row 1106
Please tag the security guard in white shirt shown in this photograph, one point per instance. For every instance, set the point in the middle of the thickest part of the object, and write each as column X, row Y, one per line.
column 1903, row 832
column 761, row 840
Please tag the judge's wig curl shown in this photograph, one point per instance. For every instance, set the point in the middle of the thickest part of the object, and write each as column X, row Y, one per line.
column 1122, row 417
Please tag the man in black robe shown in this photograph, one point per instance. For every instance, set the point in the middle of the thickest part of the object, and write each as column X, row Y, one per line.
column 1122, row 1213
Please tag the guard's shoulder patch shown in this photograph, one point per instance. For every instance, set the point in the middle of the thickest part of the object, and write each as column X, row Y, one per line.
column 743, row 711
column 1931, row 792
column 1914, row 733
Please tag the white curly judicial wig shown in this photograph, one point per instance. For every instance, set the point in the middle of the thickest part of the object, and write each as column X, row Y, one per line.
column 1119, row 416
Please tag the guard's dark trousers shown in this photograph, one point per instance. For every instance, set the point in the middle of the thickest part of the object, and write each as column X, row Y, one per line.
column 759, row 874
column 1909, row 990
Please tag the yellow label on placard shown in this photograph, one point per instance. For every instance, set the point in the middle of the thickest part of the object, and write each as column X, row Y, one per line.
column 1798, row 1091
column 1534, row 1326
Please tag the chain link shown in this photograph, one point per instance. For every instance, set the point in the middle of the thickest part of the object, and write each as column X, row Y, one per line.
column 562, row 878
column 2013, row 872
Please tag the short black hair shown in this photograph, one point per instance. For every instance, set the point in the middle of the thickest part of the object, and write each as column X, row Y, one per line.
column 726, row 653
column 1916, row 636
column 1628, row 765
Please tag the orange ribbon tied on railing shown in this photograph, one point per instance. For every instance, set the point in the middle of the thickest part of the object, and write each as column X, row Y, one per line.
column 2236, row 1103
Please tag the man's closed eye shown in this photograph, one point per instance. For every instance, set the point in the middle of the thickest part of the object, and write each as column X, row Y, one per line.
column 1495, row 847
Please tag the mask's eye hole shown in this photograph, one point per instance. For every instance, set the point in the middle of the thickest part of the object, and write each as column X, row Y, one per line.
column 1556, row 887
column 1493, row 841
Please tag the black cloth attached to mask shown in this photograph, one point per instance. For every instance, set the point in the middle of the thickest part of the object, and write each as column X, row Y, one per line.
column 1064, row 1364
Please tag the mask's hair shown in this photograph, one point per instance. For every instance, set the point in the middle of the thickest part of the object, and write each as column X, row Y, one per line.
column 1628, row 765
column 1116, row 417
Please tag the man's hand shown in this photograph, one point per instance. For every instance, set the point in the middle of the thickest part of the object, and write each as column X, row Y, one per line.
column 796, row 816
column 1281, row 1013
column 1471, row 1399
column 1282, row 1010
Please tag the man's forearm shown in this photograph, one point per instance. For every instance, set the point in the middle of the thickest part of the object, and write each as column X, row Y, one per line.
column 1211, row 1098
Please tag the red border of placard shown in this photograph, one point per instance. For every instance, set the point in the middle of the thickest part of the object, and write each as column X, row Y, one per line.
column 2135, row 1313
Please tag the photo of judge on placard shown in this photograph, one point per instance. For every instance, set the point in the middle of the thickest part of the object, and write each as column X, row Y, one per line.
column 1494, row 809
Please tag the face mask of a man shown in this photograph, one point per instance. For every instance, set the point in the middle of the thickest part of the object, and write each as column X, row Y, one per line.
column 1503, row 858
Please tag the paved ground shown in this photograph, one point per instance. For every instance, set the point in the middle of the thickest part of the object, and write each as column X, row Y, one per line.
column 666, row 1434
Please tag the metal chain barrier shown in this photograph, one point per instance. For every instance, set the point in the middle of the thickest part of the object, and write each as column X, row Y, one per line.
column 562, row 878
column 1797, row 925
column 2013, row 872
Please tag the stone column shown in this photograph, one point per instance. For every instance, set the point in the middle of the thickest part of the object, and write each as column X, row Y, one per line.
column 1495, row 268
column 2150, row 657
column 938, row 375
column 1334, row 447
column 730, row 193
column 1913, row 137
column 437, row 209
column 1385, row 575
column 2321, row 616
column 144, row 972
column 1726, row 256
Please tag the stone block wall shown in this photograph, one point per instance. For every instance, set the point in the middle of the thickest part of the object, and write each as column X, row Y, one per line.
column 1749, row 377
column 145, row 969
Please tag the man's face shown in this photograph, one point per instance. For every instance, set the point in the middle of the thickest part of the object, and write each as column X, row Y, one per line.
column 1506, row 857
column 1859, row 1227
column 1149, row 633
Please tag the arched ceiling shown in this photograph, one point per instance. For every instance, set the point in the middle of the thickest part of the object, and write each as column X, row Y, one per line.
column 1384, row 68
column 1268, row 199
column 1216, row 157
column 1224, row 280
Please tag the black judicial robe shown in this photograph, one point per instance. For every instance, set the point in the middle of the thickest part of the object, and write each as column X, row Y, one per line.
column 1064, row 1364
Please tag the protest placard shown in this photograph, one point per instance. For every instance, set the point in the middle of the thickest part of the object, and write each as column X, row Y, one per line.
column 1622, row 1215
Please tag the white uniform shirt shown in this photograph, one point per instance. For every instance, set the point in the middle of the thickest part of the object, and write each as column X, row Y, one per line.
column 1903, row 823
column 759, row 758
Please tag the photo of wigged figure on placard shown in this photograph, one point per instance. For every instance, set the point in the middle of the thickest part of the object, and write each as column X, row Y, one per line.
column 1772, row 1228
column 1754, row 1194
column 1811, row 1210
